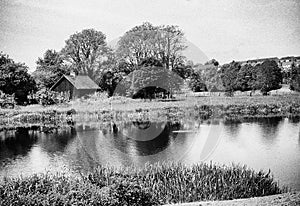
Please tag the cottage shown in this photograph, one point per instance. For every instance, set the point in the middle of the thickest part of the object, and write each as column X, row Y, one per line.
column 75, row 86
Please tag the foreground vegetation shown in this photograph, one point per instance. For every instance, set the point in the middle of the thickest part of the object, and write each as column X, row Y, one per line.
column 151, row 185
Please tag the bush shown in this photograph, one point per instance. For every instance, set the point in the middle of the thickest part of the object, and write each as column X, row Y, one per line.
column 47, row 97
column 15, row 79
column 7, row 101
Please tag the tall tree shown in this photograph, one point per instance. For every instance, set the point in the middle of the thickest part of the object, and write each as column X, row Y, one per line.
column 85, row 51
column 196, row 83
column 229, row 74
column 245, row 78
column 268, row 76
column 211, row 75
column 49, row 69
column 15, row 79
column 163, row 43
column 295, row 78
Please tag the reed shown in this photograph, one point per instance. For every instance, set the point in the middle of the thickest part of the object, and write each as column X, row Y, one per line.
column 153, row 184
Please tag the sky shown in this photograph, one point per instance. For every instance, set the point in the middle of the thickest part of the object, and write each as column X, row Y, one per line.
column 223, row 30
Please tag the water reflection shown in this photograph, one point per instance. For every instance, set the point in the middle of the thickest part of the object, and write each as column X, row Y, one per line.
column 16, row 143
column 56, row 141
column 294, row 119
column 269, row 128
column 260, row 143
column 232, row 128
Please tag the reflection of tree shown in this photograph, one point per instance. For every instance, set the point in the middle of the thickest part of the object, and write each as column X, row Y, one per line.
column 144, row 148
column 142, row 124
column 17, row 143
column 232, row 128
column 269, row 127
column 57, row 141
column 294, row 119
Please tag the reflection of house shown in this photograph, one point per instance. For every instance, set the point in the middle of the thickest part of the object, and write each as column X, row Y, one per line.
column 75, row 86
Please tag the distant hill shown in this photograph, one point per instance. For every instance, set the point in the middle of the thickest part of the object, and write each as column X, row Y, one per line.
column 192, row 52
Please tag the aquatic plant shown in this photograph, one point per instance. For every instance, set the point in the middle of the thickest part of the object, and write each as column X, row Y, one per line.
column 153, row 184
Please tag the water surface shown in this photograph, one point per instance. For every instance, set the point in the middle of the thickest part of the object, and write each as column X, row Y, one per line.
column 260, row 143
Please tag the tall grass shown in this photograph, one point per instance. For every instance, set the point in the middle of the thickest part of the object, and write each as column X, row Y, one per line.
column 160, row 183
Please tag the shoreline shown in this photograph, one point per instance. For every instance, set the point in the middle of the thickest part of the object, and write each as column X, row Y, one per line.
column 233, row 109
column 291, row 198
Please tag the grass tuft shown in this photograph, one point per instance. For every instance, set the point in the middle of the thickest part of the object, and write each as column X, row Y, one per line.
column 153, row 184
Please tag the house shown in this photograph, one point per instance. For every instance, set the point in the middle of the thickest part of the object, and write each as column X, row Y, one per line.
column 75, row 86
column 254, row 62
column 286, row 62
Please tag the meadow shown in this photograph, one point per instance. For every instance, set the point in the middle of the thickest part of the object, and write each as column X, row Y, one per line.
column 118, row 103
column 161, row 183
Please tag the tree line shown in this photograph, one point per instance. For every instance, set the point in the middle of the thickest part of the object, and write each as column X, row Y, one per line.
column 143, row 46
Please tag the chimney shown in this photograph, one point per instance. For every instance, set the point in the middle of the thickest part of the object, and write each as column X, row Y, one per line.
column 72, row 74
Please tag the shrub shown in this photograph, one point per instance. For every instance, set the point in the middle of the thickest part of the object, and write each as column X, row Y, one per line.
column 47, row 97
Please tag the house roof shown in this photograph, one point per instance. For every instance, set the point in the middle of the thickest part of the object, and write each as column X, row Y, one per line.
column 79, row 82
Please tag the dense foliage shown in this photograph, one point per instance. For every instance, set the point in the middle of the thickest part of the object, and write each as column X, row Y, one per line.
column 229, row 76
column 196, row 83
column 6, row 100
column 15, row 79
column 163, row 43
column 146, row 82
column 47, row 97
column 268, row 77
column 49, row 69
column 151, row 185
column 295, row 78
column 87, row 52
column 264, row 77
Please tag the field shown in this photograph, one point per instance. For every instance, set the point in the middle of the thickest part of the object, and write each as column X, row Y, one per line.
column 126, row 104
column 152, row 185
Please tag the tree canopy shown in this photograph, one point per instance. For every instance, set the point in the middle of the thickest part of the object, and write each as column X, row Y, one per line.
column 268, row 76
column 163, row 43
column 49, row 69
column 229, row 76
column 86, row 51
column 15, row 79
column 295, row 78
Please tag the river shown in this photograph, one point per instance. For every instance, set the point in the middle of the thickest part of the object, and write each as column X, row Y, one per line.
column 260, row 143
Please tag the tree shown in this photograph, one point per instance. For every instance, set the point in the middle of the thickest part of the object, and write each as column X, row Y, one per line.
column 229, row 76
column 108, row 82
column 163, row 43
column 86, row 51
column 245, row 78
column 211, row 76
column 49, row 69
column 15, row 79
column 196, row 83
column 184, row 71
column 295, row 78
column 268, row 77
column 212, row 61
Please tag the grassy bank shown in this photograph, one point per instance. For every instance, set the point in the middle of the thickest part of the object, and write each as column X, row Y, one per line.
column 126, row 104
column 124, row 109
column 151, row 185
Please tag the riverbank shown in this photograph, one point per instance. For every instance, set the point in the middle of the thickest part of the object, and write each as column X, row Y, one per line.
column 291, row 198
column 155, row 184
column 124, row 109
column 127, row 104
